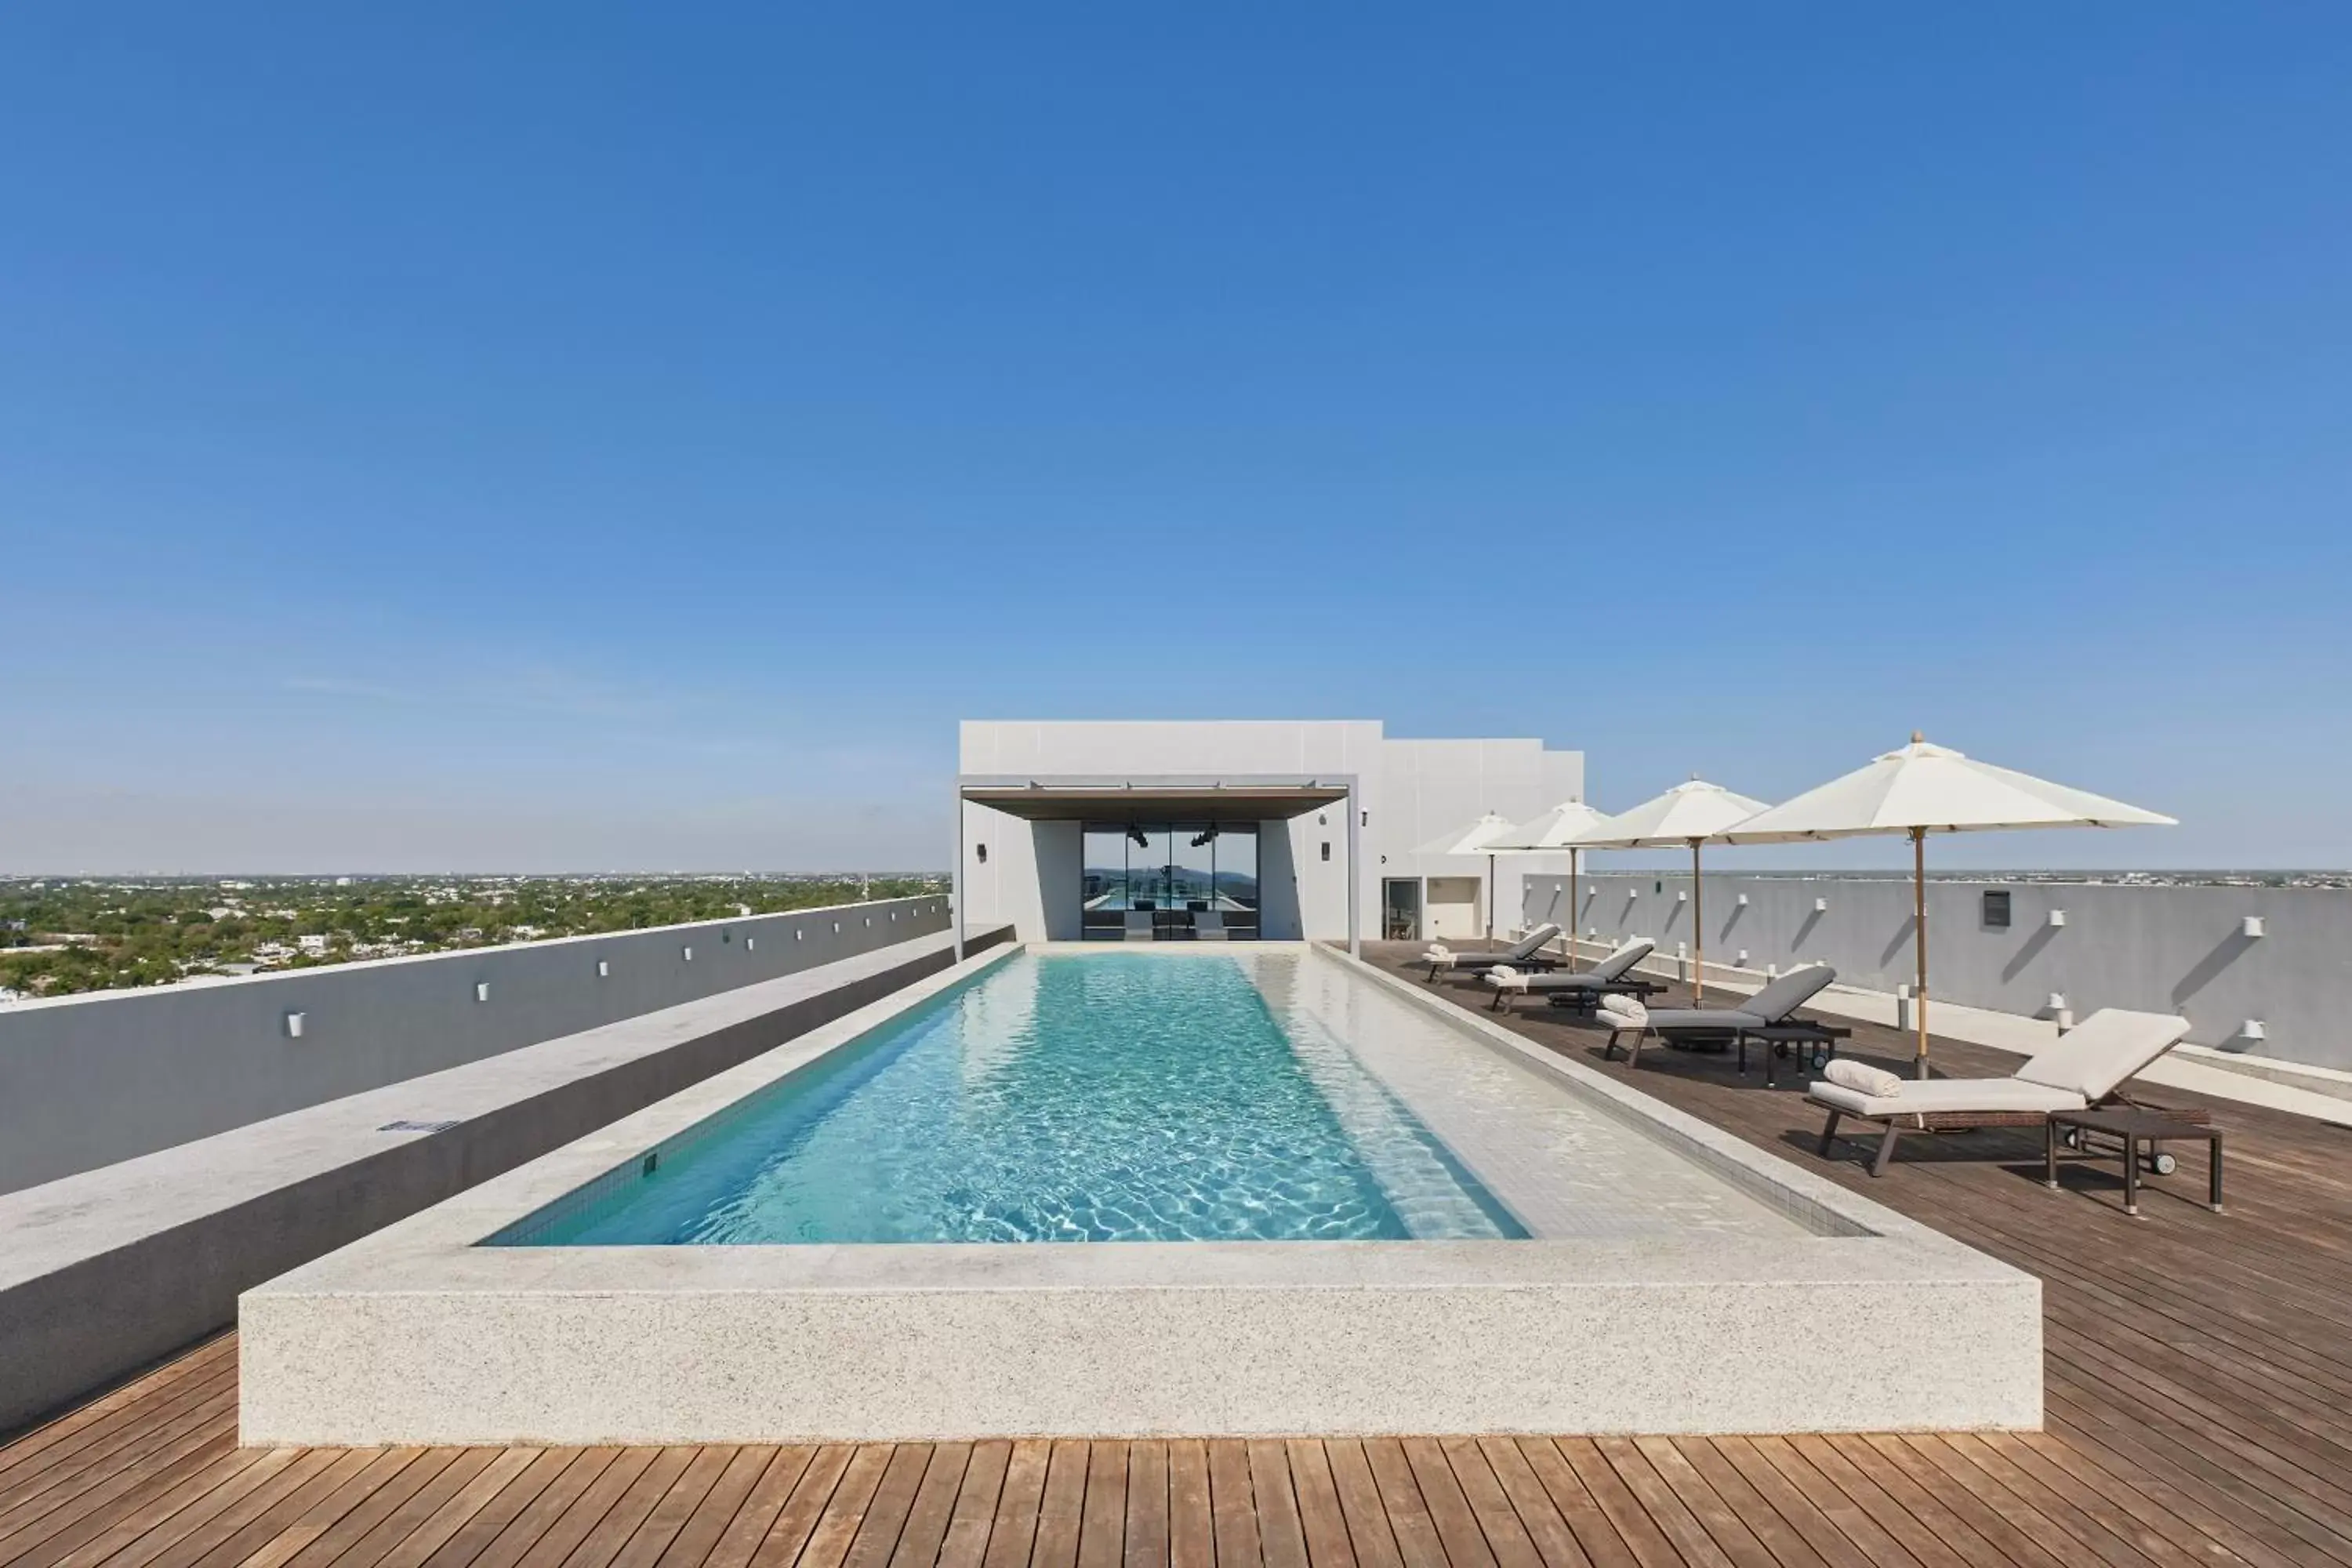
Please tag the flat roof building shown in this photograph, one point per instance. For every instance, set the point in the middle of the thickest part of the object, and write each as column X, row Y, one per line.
column 1234, row 830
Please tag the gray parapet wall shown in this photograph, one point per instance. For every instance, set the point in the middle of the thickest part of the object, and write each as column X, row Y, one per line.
column 2221, row 956
column 87, row 1081
column 104, row 1272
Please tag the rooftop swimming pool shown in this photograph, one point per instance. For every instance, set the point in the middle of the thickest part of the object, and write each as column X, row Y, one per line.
column 1342, row 1204
column 1107, row 1097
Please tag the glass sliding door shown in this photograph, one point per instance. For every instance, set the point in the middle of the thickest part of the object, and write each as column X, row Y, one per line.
column 1168, row 881
column 1102, row 894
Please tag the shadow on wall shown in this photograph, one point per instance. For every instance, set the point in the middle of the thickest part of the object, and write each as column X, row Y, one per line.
column 1901, row 940
column 2209, row 968
column 2031, row 950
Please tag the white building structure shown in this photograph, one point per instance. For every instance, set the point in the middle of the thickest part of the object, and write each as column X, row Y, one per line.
column 1280, row 829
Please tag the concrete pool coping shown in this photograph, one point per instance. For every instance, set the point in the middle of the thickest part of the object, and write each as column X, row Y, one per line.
column 418, row 1335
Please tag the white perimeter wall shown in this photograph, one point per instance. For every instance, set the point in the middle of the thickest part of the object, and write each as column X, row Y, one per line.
column 1409, row 791
column 87, row 1081
column 2159, row 949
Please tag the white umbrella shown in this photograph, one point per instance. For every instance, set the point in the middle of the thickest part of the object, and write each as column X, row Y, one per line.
column 1481, row 837
column 1549, row 834
column 1689, row 814
column 1923, row 789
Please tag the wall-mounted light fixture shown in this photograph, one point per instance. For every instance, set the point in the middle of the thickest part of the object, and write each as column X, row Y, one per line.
column 481, row 990
column 2253, row 1029
column 294, row 1025
column 1742, row 960
column 603, row 969
column 687, row 953
column 2057, row 917
column 1820, row 906
column 1681, row 896
column 982, row 852
column 752, row 943
column 2250, row 926
column 1742, row 900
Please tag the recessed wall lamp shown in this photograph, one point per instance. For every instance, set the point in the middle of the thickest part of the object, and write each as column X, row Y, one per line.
column 294, row 1025
column 2252, row 926
column 2057, row 916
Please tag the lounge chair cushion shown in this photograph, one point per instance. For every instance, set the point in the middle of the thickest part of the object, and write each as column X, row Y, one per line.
column 2097, row 1056
column 1948, row 1094
column 1625, row 957
column 1527, row 945
column 1668, row 1020
column 1790, row 992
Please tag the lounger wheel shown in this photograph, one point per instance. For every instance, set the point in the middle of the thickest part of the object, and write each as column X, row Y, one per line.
column 2162, row 1163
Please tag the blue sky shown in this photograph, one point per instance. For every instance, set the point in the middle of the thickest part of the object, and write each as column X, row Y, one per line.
column 584, row 436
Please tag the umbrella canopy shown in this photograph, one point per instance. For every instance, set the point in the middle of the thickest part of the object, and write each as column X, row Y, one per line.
column 1922, row 789
column 1934, row 789
column 1555, row 830
column 1484, row 837
column 1690, row 812
column 1477, row 839
column 1549, row 834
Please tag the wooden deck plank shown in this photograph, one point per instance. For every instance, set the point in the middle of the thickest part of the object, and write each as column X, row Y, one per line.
column 509, row 1469
column 651, row 1539
column 700, row 1533
column 1014, row 1531
column 885, row 1516
column 1281, row 1534
column 1449, row 1511
column 966, row 1545
column 1060, row 1508
column 1320, row 1520
column 1370, row 1537
column 926, row 1530
column 777, row 1542
column 1102, row 1519
column 1418, row 1544
column 1548, row 1532
column 845, row 1512
column 1231, row 1507
column 1191, row 1520
column 1146, row 1542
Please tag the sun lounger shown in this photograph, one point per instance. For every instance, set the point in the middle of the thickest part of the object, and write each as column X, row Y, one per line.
column 1578, row 990
column 1527, row 952
column 2088, row 1066
column 1773, row 1004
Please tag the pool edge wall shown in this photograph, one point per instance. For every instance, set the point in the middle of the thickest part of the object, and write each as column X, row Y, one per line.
column 417, row 1335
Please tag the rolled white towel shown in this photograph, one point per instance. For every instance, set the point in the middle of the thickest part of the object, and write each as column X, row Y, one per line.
column 1440, row 953
column 1629, row 1008
column 1863, row 1078
column 1505, row 976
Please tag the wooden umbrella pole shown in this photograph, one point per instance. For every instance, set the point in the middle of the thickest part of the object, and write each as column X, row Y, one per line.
column 1572, row 911
column 1698, row 931
column 1920, row 939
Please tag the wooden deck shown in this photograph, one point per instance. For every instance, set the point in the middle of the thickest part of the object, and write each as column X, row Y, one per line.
column 2200, row 1412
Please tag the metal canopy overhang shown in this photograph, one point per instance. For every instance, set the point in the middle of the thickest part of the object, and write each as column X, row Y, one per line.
column 1169, row 802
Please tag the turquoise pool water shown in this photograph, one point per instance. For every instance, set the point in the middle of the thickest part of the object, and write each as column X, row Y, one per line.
column 1101, row 1097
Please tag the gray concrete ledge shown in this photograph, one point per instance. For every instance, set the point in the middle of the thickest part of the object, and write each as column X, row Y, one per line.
column 103, row 1272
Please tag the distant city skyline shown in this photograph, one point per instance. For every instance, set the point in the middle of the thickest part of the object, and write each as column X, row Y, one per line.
column 548, row 438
